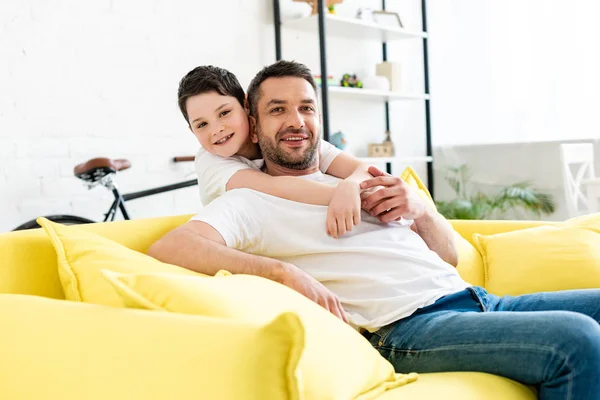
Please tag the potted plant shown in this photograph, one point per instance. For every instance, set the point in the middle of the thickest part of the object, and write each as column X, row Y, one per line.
column 482, row 206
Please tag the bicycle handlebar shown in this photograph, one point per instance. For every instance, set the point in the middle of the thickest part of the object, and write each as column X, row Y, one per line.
column 184, row 158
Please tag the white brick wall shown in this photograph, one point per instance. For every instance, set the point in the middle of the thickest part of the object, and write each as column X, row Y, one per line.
column 99, row 78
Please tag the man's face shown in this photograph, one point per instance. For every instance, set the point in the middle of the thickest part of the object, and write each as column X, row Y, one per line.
column 287, row 127
column 219, row 122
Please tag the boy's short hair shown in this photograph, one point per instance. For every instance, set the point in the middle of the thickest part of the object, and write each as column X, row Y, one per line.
column 280, row 69
column 208, row 78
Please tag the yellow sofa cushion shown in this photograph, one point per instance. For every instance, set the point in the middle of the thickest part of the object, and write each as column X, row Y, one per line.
column 545, row 258
column 81, row 255
column 338, row 363
column 56, row 349
column 470, row 264
column 461, row 386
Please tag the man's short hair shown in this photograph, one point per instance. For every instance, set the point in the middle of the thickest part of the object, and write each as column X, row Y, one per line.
column 280, row 69
column 208, row 78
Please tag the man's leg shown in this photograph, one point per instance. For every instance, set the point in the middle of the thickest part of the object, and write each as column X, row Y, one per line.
column 559, row 351
column 586, row 301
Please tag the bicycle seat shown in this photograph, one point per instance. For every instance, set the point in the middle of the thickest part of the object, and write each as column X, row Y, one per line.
column 95, row 169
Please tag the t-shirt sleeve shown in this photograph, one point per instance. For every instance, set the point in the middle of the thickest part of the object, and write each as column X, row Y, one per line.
column 214, row 172
column 232, row 216
column 328, row 153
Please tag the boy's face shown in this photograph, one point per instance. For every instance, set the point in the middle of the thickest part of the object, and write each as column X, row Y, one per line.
column 219, row 123
column 288, row 126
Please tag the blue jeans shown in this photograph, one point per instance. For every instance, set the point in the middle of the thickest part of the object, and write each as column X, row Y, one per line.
column 550, row 340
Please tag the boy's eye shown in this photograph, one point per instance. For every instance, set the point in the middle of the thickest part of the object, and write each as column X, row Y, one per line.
column 224, row 113
column 201, row 125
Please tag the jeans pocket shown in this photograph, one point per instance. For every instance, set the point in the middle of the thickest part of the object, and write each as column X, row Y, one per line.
column 380, row 336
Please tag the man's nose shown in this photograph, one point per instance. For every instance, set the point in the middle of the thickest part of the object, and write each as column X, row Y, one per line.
column 295, row 120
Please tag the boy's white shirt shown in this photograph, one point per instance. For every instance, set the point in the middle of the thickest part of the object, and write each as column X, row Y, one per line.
column 215, row 171
column 380, row 272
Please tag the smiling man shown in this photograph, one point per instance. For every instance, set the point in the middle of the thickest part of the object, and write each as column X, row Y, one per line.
column 388, row 279
column 287, row 140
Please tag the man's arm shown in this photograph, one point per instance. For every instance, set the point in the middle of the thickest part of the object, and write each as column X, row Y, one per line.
column 398, row 200
column 438, row 233
column 199, row 247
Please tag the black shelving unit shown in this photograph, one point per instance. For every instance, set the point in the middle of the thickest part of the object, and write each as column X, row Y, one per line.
column 325, row 88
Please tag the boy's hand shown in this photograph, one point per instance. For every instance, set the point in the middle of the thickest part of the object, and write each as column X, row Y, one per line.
column 344, row 209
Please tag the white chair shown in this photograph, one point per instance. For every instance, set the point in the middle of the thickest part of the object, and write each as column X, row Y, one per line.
column 578, row 173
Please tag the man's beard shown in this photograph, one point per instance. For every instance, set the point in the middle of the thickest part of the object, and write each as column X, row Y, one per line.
column 277, row 155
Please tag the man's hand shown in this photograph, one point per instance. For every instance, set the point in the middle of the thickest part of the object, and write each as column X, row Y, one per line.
column 344, row 209
column 308, row 286
column 394, row 201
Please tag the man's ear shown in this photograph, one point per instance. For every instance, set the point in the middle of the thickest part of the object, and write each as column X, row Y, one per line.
column 253, row 135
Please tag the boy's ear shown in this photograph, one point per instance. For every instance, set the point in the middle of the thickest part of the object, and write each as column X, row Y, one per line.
column 253, row 135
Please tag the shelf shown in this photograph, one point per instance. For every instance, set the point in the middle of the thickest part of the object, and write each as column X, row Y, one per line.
column 384, row 160
column 375, row 94
column 352, row 28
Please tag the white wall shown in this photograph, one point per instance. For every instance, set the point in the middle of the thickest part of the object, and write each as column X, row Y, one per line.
column 514, row 70
column 82, row 79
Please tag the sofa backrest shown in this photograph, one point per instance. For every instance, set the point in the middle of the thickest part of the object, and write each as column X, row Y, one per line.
column 28, row 260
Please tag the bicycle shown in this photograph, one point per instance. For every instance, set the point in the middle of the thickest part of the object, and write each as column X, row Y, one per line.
column 102, row 171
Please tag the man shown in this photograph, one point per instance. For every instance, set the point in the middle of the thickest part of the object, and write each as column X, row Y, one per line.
column 388, row 279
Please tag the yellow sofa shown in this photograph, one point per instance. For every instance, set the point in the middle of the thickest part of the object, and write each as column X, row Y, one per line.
column 28, row 266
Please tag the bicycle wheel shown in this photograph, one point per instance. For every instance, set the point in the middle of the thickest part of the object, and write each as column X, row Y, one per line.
column 61, row 219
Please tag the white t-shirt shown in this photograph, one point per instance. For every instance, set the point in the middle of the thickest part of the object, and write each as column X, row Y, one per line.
column 380, row 272
column 215, row 171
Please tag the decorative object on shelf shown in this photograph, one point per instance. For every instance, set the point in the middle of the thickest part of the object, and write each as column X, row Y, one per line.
column 365, row 14
column 393, row 72
column 484, row 206
column 385, row 149
column 328, row 3
column 331, row 81
column 351, row 81
column 387, row 19
column 338, row 139
column 374, row 82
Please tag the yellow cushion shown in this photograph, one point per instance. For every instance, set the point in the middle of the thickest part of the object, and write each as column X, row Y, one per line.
column 470, row 264
column 57, row 349
column 546, row 258
column 338, row 363
column 81, row 256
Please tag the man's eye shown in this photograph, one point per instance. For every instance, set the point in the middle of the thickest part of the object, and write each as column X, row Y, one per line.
column 224, row 113
column 277, row 109
column 307, row 108
column 201, row 125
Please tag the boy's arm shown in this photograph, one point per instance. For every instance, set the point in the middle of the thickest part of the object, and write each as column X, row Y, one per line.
column 285, row 187
column 349, row 168
column 199, row 247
